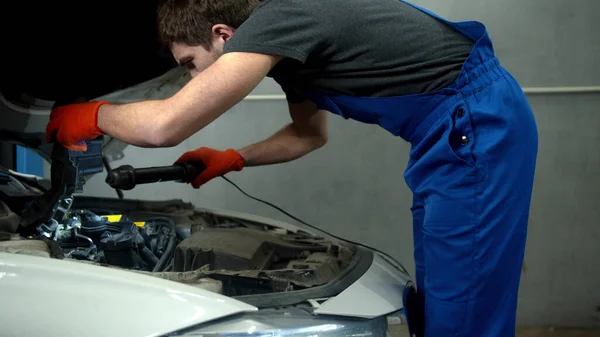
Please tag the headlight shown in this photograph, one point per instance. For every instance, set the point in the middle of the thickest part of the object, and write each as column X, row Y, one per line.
column 289, row 322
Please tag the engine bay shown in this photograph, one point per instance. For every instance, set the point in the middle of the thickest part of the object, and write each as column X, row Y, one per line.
column 227, row 255
column 171, row 239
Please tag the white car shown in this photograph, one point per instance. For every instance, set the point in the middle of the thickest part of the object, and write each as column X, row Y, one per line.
column 73, row 265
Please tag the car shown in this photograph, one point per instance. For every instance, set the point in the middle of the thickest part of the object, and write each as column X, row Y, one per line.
column 124, row 267
column 75, row 265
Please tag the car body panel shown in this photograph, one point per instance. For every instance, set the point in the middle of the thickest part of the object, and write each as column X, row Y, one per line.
column 52, row 297
column 378, row 292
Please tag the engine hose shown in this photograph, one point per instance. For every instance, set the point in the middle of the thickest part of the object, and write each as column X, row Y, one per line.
column 169, row 266
column 80, row 236
column 162, row 262
column 148, row 257
column 114, row 228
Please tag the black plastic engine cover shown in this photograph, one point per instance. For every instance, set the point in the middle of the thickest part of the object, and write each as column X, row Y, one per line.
column 120, row 248
column 93, row 226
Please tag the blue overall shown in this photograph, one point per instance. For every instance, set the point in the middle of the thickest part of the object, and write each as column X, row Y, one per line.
column 471, row 169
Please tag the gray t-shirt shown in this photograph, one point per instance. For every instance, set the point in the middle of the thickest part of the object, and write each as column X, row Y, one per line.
column 372, row 48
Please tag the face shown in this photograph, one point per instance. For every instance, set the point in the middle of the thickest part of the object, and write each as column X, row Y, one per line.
column 195, row 58
column 198, row 58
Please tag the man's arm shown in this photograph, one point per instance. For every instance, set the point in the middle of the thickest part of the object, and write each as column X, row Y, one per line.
column 306, row 133
column 165, row 123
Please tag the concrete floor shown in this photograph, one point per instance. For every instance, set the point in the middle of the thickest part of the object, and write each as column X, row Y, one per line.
column 401, row 331
column 530, row 332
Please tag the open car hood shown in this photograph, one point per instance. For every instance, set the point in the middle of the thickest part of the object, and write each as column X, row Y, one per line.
column 29, row 116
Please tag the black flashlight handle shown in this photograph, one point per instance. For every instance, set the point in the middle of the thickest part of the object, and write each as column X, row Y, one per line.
column 127, row 177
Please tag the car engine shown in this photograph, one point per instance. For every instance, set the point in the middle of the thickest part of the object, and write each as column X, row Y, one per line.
column 170, row 239
column 122, row 243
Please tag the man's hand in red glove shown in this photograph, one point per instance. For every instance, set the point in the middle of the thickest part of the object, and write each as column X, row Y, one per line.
column 217, row 163
column 72, row 124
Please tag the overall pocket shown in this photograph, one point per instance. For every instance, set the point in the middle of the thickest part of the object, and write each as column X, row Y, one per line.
column 461, row 138
column 442, row 163
column 449, row 244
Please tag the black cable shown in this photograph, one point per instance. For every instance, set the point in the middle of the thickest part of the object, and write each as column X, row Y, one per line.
column 398, row 264
column 163, row 261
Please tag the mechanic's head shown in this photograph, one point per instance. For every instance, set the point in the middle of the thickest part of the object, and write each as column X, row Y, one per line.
column 196, row 30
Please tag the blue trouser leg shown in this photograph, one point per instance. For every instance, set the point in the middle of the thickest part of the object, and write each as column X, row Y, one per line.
column 474, row 171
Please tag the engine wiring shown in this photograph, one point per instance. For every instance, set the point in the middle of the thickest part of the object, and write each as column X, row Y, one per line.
column 395, row 263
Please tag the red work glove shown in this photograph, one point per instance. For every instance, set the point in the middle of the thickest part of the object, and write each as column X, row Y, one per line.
column 74, row 123
column 217, row 163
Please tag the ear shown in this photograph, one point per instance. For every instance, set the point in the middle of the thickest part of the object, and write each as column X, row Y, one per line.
column 222, row 32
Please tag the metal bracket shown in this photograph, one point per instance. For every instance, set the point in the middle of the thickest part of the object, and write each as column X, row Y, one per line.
column 68, row 173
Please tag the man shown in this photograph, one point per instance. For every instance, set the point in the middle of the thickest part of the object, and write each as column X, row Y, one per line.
column 433, row 83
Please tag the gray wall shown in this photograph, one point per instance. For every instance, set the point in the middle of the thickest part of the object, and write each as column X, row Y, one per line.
column 354, row 187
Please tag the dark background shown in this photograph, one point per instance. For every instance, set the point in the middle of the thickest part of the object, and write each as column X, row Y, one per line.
column 64, row 50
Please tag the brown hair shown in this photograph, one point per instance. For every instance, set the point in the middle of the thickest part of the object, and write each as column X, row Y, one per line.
column 191, row 21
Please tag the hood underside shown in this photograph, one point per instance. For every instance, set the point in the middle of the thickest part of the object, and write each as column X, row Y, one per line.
column 29, row 116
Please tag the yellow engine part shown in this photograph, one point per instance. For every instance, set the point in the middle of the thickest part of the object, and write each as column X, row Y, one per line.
column 117, row 218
